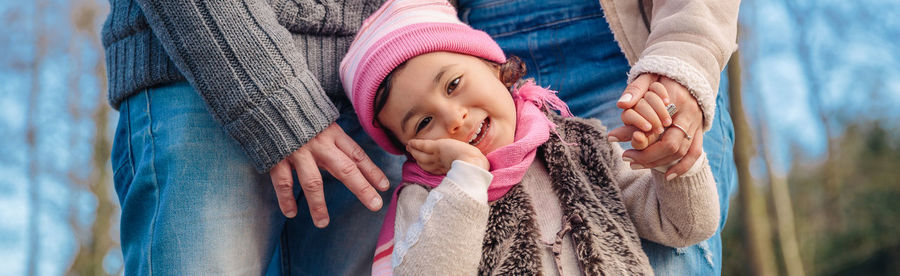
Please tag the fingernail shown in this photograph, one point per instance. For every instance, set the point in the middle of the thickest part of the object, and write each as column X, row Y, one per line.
column 636, row 167
column 322, row 223
column 648, row 126
column 671, row 176
column 629, row 160
column 660, row 130
column 668, row 122
column 385, row 184
column 625, row 98
column 612, row 139
column 291, row 214
column 375, row 203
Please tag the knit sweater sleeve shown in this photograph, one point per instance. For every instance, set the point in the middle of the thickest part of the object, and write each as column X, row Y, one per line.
column 247, row 69
column 675, row 213
column 441, row 232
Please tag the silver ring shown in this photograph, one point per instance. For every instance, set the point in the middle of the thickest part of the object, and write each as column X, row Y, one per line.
column 672, row 109
column 682, row 130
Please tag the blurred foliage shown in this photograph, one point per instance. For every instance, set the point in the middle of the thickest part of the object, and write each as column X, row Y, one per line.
column 862, row 237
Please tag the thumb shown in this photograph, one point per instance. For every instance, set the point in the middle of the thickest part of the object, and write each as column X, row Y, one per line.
column 635, row 90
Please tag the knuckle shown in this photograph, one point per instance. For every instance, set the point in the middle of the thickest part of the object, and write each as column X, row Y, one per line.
column 312, row 185
column 318, row 208
column 669, row 148
column 367, row 189
column 357, row 154
column 284, row 185
column 346, row 169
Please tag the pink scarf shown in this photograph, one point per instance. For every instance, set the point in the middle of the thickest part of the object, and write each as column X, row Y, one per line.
column 508, row 163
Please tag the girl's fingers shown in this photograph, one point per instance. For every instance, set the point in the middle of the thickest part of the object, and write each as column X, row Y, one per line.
column 659, row 107
column 671, row 147
column 639, row 141
column 661, row 91
column 645, row 110
column 622, row 133
column 631, row 117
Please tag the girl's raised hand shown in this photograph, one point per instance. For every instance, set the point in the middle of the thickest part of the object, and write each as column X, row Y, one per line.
column 435, row 156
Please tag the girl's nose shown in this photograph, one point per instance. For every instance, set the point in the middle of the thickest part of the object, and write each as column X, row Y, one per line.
column 456, row 119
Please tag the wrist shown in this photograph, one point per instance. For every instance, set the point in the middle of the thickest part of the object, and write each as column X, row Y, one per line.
column 476, row 159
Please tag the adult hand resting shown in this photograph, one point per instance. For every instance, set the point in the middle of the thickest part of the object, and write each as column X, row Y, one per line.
column 673, row 145
column 337, row 153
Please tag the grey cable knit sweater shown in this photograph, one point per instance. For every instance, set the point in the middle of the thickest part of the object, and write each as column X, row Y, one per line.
column 266, row 69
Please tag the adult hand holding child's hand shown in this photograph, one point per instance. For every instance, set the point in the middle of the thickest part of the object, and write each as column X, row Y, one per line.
column 436, row 156
column 672, row 145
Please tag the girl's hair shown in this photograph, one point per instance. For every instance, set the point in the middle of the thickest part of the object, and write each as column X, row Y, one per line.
column 511, row 72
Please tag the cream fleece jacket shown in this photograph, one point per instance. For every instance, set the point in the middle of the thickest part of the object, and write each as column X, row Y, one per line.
column 689, row 41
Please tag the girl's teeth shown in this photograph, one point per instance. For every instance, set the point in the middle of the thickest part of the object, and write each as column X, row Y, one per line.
column 477, row 131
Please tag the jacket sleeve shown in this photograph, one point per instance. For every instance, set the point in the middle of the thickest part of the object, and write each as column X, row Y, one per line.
column 247, row 69
column 690, row 41
column 441, row 232
column 675, row 213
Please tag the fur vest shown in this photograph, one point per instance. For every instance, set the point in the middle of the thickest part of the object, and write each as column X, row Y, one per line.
column 604, row 237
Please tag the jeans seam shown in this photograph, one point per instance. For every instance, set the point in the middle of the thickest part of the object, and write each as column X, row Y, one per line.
column 128, row 140
column 548, row 24
column 155, row 179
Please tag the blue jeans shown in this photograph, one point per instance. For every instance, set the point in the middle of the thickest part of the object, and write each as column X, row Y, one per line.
column 192, row 203
column 568, row 46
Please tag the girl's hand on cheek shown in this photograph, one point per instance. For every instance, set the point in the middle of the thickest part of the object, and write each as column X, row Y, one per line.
column 435, row 156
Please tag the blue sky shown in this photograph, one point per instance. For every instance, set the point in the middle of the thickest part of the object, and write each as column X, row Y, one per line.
column 854, row 46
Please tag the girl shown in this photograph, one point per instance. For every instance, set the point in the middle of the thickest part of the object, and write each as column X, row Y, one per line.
column 495, row 182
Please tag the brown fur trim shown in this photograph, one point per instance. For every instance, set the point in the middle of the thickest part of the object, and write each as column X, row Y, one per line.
column 510, row 242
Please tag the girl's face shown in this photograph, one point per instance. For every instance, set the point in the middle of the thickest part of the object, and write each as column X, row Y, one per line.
column 448, row 95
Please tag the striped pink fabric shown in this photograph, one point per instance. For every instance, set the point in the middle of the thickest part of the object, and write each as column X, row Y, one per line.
column 396, row 32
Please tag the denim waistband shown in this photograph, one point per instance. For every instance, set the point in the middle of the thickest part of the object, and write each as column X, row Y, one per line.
column 506, row 17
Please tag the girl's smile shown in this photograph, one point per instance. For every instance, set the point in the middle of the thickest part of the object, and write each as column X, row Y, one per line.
column 448, row 95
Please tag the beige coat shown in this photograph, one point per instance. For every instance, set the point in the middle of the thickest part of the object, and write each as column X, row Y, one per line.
column 689, row 41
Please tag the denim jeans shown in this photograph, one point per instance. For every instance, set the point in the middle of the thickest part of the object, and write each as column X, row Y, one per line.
column 568, row 46
column 192, row 203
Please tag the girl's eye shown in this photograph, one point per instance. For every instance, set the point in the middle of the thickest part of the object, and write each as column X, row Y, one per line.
column 453, row 84
column 422, row 124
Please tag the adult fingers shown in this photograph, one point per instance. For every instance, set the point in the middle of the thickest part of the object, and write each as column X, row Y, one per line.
column 283, row 183
column 369, row 170
column 312, row 185
column 659, row 89
column 688, row 161
column 673, row 145
column 633, row 118
column 344, row 169
column 650, row 115
column 659, row 107
column 635, row 90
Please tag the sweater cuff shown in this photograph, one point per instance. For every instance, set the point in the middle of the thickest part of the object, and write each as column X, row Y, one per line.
column 686, row 75
column 283, row 122
column 471, row 179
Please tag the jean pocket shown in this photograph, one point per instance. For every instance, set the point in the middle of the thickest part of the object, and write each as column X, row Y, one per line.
column 121, row 157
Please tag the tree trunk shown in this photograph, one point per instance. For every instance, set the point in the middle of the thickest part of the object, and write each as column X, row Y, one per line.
column 95, row 245
column 784, row 212
column 34, row 188
column 758, row 239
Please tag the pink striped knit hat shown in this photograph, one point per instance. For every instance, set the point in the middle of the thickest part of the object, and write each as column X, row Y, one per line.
column 395, row 33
